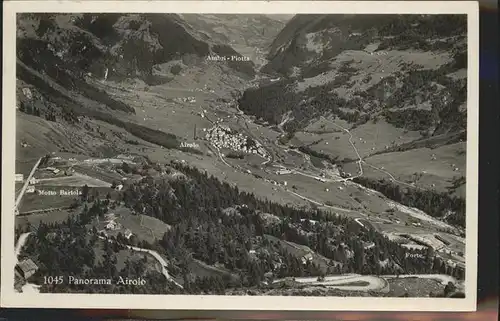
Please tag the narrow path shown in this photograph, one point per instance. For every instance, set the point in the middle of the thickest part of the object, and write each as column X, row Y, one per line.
column 146, row 227
column 25, row 186
column 155, row 254
column 361, row 161
column 20, row 243
column 392, row 177
column 357, row 221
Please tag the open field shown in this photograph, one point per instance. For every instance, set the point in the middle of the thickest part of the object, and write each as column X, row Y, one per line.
column 33, row 201
column 369, row 138
column 156, row 106
column 44, row 137
column 331, row 144
column 56, row 216
column 372, row 137
column 432, row 174
column 34, row 131
column 76, row 179
column 105, row 176
column 24, row 166
column 144, row 227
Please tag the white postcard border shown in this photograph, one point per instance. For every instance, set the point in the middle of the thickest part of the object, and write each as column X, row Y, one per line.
column 10, row 298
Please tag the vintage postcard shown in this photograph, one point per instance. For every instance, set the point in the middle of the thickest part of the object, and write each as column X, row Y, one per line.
column 233, row 155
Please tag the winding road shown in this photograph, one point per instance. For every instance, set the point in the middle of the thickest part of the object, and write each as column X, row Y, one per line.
column 346, row 282
column 160, row 260
column 360, row 159
column 155, row 254
column 20, row 243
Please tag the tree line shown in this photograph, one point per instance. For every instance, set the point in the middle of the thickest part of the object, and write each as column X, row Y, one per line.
column 432, row 202
column 195, row 206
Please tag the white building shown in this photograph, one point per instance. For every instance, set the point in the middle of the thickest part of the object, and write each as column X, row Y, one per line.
column 307, row 258
column 19, row 177
column 128, row 234
column 111, row 225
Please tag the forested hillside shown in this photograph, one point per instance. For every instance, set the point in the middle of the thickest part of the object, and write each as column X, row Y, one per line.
column 241, row 241
column 326, row 61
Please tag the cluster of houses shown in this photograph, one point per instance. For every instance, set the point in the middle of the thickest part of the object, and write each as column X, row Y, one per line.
column 185, row 99
column 112, row 225
column 223, row 137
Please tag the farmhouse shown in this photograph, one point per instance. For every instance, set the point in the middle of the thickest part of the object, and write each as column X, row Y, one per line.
column 111, row 225
column 307, row 258
column 19, row 177
column 128, row 234
column 26, row 268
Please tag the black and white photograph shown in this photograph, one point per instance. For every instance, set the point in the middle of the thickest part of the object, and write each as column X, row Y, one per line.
column 295, row 157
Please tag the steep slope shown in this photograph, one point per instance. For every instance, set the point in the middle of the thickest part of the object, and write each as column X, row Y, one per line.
column 250, row 29
column 382, row 96
column 65, row 60
column 408, row 70
column 250, row 34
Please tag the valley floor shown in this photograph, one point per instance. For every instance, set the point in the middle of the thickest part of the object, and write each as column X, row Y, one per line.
column 282, row 174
